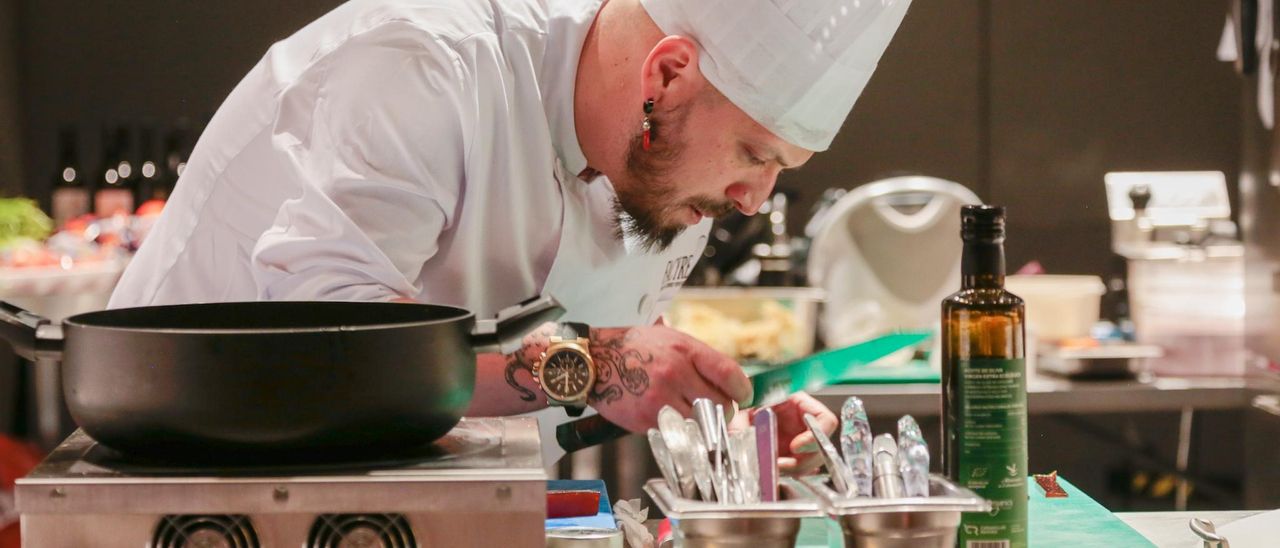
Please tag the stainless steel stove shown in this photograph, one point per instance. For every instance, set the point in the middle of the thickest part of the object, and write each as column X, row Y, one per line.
column 483, row 484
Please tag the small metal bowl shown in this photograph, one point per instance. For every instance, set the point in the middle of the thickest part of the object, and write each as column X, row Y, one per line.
column 911, row 522
column 699, row 524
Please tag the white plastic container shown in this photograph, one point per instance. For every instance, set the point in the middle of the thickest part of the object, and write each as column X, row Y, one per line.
column 1058, row 306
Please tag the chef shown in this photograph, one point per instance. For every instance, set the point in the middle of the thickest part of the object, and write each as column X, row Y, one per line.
column 476, row 153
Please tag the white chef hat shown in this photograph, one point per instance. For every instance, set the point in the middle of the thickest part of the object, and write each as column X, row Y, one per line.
column 795, row 66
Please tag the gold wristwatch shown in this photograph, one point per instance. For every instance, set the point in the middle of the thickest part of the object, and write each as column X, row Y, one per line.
column 565, row 371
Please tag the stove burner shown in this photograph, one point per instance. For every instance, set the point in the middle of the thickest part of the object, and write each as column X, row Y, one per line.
column 361, row 531
column 84, row 490
column 212, row 531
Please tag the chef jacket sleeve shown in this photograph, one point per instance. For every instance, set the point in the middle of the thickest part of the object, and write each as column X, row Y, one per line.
column 375, row 129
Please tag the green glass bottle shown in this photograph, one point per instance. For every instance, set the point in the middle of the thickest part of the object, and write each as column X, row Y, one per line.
column 984, row 389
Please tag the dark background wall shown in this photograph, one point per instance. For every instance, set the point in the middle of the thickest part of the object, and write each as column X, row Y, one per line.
column 1028, row 102
column 1031, row 102
column 90, row 63
column 11, row 175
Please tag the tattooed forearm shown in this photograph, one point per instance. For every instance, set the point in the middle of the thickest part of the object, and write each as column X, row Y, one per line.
column 618, row 368
column 516, row 363
column 604, row 393
column 522, row 360
column 634, row 378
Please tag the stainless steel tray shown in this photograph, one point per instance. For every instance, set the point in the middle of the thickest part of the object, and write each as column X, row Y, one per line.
column 944, row 496
column 699, row 524
column 797, row 502
column 915, row 522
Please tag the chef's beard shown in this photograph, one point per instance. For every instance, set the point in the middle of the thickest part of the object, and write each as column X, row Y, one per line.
column 643, row 209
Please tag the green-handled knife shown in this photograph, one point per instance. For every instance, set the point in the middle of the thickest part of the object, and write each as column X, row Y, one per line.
column 771, row 384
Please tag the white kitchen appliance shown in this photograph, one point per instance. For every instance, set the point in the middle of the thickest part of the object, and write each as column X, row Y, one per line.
column 483, row 484
column 886, row 254
column 1185, row 268
column 1169, row 214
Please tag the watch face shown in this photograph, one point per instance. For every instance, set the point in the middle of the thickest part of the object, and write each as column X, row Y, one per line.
column 566, row 375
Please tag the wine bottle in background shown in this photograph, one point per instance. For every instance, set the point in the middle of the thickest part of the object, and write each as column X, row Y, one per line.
column 176, row 149
column 111, row 196
column 984, row 392
column 150, row 178
column 129, row 167
column 70, row 193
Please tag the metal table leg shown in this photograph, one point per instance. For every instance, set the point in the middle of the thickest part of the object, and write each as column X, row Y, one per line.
column 1183, row 461
column 48, row 403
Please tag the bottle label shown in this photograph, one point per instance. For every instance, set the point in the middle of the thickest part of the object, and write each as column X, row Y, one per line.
column 991, row 443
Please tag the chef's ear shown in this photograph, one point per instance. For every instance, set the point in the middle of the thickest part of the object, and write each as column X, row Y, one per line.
column 670, row 74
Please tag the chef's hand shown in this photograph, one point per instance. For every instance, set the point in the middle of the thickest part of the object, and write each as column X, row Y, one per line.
column 797, row 448
column 641, row 369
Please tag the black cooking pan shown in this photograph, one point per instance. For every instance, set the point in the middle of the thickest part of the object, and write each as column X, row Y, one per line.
column 268, row 381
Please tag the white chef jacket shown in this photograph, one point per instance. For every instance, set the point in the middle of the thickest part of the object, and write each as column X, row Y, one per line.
column 423, row 148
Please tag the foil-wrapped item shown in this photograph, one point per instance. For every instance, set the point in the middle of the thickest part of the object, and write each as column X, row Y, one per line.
column 913, row 464
column 855, row 443
column 672, row 427
column 913, row 457
column 742, row 451
column 662, row 455
column 840, row 476
column 703, row 475
column 909, row 430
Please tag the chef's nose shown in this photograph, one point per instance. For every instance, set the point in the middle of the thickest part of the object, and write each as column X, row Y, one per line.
column 748, row 197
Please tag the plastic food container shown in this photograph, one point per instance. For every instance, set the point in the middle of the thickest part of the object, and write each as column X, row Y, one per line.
column 699, row 524
column 1059, row 307
column 767, row 324
column 914, row 522
column 1194, row 310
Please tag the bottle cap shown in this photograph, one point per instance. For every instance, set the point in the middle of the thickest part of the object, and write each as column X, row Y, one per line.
column 982, row 223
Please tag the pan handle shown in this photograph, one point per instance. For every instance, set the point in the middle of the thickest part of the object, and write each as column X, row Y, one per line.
column 32, row 336
column 505, row 334
column 587, row 432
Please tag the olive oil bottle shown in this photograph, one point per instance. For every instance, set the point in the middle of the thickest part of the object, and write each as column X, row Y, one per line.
column 984, row 390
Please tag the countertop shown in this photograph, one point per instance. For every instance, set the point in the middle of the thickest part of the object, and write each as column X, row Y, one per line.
column 1049, row 394
column 1169, row 529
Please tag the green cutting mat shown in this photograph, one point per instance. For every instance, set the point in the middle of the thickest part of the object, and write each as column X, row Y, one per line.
column 1071, row 522
column 1077, row 521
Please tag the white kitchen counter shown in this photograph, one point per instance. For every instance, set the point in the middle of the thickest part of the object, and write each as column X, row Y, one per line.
column 1046, row 394
column 1169, row 529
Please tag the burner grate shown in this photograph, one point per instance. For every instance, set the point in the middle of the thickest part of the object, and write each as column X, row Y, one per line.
column 361, row 531
column 205, row 531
